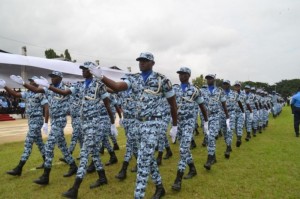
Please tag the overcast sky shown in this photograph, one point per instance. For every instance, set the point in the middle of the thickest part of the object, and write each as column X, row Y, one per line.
column 257, row 40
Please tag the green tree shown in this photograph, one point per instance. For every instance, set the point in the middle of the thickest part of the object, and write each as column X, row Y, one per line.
column 199, row 81
column 67, row 55
column 50, row 54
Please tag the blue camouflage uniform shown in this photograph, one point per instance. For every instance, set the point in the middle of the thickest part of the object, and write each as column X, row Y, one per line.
column 212, row 98
column 239, row 119
column 163, row 141
column 34, row 112
column 58, row 108
column 250, row 97
column 148, row 90
column 75, row 104
column 113, row 103
column 186, row 97
column 232, row 99
column 90, row 111
column 129, row 106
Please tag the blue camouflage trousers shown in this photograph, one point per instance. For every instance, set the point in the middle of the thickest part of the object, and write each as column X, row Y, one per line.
column 255, row 119
column 131, row 130
column 146, row 163
column 265, row 116
column 239, row 123
column 105, row 124
column 113, row 137
column 213, row 128
column 248, row 121
column 228, row 133
column 92, row 133
column 33, row 136
column 56, row 135
column 163, row 141
column 76, row 135
column 260, row 117
column 185, row 134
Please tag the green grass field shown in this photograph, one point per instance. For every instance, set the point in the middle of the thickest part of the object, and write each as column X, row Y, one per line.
column 266, row 167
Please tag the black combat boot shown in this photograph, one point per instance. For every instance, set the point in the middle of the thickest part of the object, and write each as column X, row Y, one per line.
column 168, row 154
column 227, row 152
column 193, row 144
column 159, row 158
column 259, row 129
column 248, row 137
column 72, row 170
column 73, row 191
column 239, row 141
column 42, row 165
column 204, row 143
column 192, row 172
column 113, row 159
column 211, row 159
column 254, row 132
column 122, row 174
column 116, row 147
column 177, row 183
column 44, row 179
column 101, row 181
column 159, row 192
column 91, row 168
column 17, row 171
column 63, row 160
column 101, row 151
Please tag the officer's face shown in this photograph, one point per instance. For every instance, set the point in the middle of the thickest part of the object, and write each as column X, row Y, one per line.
column 225, row 86
column 247, row 90
column 210, row 80
column 86, row 73
column 184, row 77
column 237, row 87
column 145, row 64
column 56, row 79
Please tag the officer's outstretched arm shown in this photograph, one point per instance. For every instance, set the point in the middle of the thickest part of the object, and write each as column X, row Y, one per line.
column 173, row 106
column 12, row 92
column 33, row 88
column 59, row 91
column 116, row 86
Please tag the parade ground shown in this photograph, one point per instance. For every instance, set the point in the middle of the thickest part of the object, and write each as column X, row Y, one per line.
column 268, row 166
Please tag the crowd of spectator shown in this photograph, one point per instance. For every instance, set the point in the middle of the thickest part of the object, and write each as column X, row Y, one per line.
column 10, row 104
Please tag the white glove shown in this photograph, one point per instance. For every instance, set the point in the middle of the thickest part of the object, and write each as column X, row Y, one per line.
column 2, row 83
column 97, row 72
column 173, row 133
column 251, row 116
column 205, row 127
column 269, row 111
column 121, row 122
column 42, row 82
column 17, row 79
column 113, row 130
column 227, row 123
column 45, row 128
column 244, row 116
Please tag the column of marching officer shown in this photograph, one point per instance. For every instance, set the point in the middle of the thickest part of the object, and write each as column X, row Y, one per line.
column 146, row 103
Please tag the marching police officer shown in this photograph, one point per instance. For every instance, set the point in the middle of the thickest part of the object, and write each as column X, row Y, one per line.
column 148, row 89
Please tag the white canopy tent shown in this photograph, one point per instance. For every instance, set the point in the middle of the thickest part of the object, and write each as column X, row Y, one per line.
column 27, row 66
